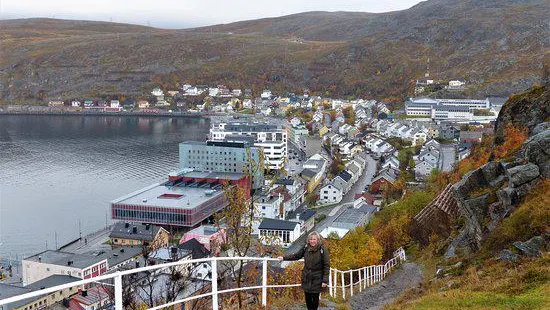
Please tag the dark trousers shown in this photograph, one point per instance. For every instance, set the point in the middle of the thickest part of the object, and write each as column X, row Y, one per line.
column 312, row 300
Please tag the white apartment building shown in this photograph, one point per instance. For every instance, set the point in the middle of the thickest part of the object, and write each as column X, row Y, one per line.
column 48, row 263
column 272, row 139
column 445, row 108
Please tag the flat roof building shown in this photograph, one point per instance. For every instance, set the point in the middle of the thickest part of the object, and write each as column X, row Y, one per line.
column 272, row 139
column 222, row 156
column 186, row 200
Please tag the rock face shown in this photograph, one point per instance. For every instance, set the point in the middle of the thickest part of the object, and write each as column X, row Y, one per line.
column 530, row 247
column 537, row 149
column 527, row 110
column 490, row 193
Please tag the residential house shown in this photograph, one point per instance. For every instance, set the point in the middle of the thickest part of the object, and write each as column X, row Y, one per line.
column 385, row 178
column 314, row 170
column 392, row 162
column 48, row 263
column 153, row 236
column 278, row 232
column 422, row 169
column 209, row 236
column 331, row 193
column 323, row 131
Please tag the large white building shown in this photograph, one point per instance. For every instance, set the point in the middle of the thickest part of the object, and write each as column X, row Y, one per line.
column 272, row 139
column 445, row 108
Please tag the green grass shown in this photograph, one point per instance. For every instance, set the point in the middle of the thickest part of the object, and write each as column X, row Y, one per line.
column 538, row 298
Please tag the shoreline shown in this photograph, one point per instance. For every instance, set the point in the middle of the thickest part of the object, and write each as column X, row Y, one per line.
column 122, row 113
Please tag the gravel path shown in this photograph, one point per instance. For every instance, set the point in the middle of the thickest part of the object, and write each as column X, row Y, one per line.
column 408, row 276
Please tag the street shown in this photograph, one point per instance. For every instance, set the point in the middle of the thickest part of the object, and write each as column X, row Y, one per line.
column 448, row 157
column 333, row 211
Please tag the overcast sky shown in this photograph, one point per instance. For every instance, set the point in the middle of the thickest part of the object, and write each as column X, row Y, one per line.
column 185, row 13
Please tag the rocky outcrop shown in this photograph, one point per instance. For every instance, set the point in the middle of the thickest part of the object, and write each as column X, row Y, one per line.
column 490, row 193
column 537, row 149
column 531, row 247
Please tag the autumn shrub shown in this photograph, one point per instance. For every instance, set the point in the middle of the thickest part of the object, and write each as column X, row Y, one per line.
column 390, row 227
column 354, row 250
column 514, row 136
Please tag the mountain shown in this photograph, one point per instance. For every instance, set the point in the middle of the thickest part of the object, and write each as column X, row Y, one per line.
column 497, row 46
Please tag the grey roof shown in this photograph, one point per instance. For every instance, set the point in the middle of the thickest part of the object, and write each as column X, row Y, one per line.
column 52, row 280
column 285, row 181
column 198, row 250
column 307, row 214
column 117, row 255
column 308, row 173
column 346, row 176
column 303, row 214
column 274, row 224
column 125, row 230
column 7, row 290
column 63, row 258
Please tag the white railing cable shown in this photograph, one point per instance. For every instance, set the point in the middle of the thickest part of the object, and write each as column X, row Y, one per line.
column 371, row 275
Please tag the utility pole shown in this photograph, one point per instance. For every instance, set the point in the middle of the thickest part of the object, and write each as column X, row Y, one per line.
column 55, row 237
column 79, row 230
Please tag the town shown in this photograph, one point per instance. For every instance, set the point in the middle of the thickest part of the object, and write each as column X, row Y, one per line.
column 302, row 162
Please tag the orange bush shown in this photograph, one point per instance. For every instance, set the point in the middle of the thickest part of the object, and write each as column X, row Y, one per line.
column 514, row 136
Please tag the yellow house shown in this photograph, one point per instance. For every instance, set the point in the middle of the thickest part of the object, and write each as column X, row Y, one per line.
column 125, row 233
column 356, row 149
column 324, row 130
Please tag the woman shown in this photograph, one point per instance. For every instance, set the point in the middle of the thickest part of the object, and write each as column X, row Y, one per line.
column 316, row 268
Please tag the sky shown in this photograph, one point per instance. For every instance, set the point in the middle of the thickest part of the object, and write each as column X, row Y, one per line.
column 185, row 13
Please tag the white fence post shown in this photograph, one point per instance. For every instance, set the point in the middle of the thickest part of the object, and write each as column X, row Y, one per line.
column 343, row 285
column 330, row 282
column 264, row 283
column 118, row 292
column 335, row 282
column 351, row 282
column 365, row 277
column 360, row 282
column 214, row 284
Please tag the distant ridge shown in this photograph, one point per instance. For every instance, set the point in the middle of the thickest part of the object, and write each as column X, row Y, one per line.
column 497, row 46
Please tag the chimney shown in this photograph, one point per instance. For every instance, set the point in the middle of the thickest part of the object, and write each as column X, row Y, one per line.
column 134, row 230
column 147, row 226
column 137, row 264
column 297, row 216
column 70, row 263
column 126, row 225
column 39, row 258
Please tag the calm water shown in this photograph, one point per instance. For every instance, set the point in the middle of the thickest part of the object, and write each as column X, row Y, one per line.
column 57, row 171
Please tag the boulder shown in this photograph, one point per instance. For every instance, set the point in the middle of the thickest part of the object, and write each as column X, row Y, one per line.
column 522, row 174
column 537, row 151
column 493, row 173
column 530, row 247
column 540, row 128
column 508, row 255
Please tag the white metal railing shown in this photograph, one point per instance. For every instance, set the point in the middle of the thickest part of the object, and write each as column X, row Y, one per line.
column 367, row 276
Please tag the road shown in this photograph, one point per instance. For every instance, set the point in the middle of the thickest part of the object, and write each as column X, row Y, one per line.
column 333, row 211
column 448, row 157
column 91, row 242
column 363, row 180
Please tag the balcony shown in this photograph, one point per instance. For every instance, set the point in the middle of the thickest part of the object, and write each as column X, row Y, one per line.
column 341, row 283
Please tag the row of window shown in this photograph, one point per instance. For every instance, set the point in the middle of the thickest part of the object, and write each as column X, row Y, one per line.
column 166, row 217
column 284, row 235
